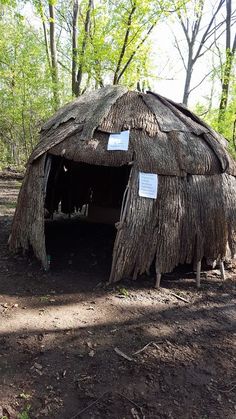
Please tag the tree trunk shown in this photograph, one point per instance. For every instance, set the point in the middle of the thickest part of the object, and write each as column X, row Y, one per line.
column 125, row 43
column 229, row 56
column 198, row 39
column 74, row 45
column 188, row 77
column 53, row 51
column 77, row 86
column 41, row 12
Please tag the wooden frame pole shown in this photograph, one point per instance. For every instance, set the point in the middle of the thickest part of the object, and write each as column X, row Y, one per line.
column 158, row 280
column 198, row 276
column 222, row 270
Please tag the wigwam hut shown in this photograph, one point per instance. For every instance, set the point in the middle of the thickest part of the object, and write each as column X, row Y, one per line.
column 166, row 181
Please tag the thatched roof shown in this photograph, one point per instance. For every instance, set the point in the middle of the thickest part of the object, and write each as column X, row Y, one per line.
column 175, row 140
column 194, row 214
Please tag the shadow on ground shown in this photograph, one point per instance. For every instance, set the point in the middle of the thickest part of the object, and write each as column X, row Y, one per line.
column 187, row 373
column 59, row 334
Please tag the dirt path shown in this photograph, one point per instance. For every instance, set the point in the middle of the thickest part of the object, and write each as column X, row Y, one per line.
column 59, row 331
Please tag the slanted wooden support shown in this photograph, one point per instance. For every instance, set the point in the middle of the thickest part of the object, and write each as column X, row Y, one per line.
column 222, row 270
column 198, row 276
column 119, row 226
column 158, row 280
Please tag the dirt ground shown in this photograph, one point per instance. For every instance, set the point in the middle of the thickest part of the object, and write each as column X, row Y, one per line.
column 64, row 335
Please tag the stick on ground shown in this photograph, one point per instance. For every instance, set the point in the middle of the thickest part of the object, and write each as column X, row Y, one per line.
column 119, row 352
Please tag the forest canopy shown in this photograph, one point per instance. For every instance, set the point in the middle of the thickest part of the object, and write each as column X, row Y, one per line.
column 52, row 51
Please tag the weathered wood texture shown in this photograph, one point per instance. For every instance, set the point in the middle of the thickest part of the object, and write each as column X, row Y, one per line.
column 28, row 224
column 186, row 222
column 168, row 153
column 83, row 114
column 194, row 215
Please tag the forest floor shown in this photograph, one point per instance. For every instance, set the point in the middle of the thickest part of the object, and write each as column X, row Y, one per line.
column 61, row 333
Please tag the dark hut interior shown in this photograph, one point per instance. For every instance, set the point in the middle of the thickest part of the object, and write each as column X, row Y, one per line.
column 89, row 190
column 91, row 197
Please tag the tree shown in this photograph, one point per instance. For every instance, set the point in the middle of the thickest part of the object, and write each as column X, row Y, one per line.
column 53, row 50
column 83, row 44
column 78, row 57
column 227, row 68
column 199, row 36
column 50, row 46
column 110, row 40
column 25, row 87
column 74, row 45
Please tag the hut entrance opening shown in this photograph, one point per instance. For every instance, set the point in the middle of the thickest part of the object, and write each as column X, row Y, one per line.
column 90, row 197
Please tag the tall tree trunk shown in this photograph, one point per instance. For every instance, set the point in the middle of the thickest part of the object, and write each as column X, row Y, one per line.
column 42, row 16
column 53, row 51
column 125, row 43
column 189, row 70
column 229, row 56
column 74, row 45
column 80, row 56
column 198, row 38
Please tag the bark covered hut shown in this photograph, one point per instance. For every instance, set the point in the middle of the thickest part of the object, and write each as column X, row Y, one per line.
column 193, row 215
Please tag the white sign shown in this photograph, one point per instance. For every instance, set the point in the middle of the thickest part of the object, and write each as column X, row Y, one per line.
column 148, row 183
column 119, row 141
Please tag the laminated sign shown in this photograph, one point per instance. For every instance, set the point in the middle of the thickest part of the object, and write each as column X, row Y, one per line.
column 119, row 141
column 148, row 183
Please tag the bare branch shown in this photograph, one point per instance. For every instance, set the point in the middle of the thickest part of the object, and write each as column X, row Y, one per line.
column 176, row 44
column 64, row 66
column 214, row 30
column 208, row 48
column 198, row 19
column 203, row 39
column 68, row 23
column 185, row 29
column 147, row 22
column 202, row 80
column 134, row 52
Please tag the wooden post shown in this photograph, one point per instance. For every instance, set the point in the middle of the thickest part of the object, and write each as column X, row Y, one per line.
column 158, row 280
column 124, row 207
column 198, row 276
column 222, row 270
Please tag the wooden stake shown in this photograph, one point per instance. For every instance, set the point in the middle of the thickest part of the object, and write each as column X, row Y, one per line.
column 198, row 276
column 222, row 270
column 158, row 280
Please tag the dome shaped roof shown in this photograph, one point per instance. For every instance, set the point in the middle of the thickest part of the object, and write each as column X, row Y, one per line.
column 165, row 137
